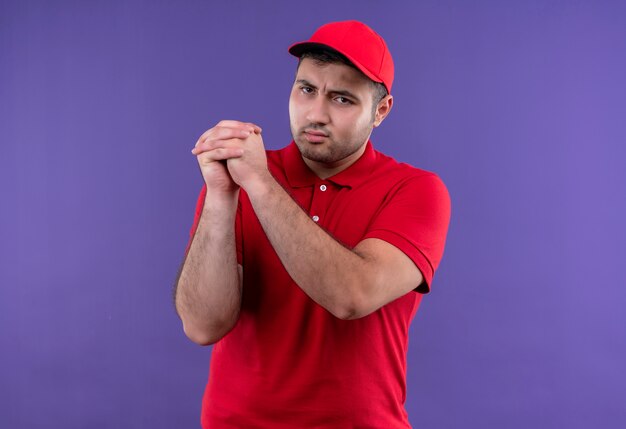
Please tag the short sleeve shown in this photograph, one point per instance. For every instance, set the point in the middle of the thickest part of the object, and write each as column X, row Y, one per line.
column 196, row 221
column 415, row 219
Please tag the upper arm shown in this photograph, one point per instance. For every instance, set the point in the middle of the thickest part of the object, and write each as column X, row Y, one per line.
column 389, row 271
column 405, row 240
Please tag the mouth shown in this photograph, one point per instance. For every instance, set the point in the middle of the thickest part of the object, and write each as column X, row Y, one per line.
column 313, row 136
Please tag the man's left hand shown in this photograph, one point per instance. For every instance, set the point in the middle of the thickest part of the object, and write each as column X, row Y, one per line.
column 250, row 167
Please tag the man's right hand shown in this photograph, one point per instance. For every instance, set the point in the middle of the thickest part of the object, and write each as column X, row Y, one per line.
column 213, row 163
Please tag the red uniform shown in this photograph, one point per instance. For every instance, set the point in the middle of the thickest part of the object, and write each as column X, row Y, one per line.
column 288, row 362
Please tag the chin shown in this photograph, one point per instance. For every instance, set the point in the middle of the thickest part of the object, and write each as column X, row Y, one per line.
column 314, row 151
column 321, row 155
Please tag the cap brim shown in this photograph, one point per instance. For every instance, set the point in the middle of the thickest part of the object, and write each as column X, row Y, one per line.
column 298, row 48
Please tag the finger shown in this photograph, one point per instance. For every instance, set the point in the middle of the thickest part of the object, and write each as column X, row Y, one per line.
column 218, row 132
column 222, row 133
column 215, row 144
column 253, row 128
column 209, row 145
column 220, row 154
column 239, row 124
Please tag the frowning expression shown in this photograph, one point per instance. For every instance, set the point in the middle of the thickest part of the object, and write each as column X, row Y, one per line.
column 330, row 110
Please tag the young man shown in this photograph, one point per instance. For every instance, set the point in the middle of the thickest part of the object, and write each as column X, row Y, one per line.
column 307, row 264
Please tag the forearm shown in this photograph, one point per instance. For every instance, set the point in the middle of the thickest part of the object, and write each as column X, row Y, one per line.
column 332, row 275
column 349, row 283
column 208, row 293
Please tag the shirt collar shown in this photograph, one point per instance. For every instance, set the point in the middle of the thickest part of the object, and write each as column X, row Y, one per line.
column 300, row 175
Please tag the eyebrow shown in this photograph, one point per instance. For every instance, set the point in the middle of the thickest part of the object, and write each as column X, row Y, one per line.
column 332, row 91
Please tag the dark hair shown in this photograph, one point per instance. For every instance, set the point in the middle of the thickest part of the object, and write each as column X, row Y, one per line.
column 324, row 55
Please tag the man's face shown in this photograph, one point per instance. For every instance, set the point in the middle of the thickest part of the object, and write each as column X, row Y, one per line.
column 330, row 109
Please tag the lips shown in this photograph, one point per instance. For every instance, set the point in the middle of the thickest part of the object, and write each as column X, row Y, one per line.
column 315, row 133
column 314, row 136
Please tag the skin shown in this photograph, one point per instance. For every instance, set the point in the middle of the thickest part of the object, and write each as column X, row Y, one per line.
column 208, row 289
column 330, row 109
column 332, row 99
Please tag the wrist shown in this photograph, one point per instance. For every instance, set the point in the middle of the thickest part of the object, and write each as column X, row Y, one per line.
column 261, row 186
column 220, row 205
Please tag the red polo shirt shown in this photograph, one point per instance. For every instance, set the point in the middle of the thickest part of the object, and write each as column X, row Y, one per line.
column 288, row 362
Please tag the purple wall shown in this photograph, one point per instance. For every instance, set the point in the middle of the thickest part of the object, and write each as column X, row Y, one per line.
column 519, row 106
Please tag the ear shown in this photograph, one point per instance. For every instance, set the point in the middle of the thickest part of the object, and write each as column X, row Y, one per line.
column 383, row 109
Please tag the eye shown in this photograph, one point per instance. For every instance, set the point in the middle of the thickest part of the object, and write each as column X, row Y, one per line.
column 343, row 100
column 306, row 89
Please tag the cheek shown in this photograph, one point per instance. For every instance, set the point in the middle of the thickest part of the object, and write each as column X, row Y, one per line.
column 365, row 118
column 353, row 121
column 294, row 107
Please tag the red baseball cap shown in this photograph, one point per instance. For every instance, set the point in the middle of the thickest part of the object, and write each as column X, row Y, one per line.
column 359, row 43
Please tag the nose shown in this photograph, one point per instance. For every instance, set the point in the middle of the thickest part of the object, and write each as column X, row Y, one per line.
column 318, row 111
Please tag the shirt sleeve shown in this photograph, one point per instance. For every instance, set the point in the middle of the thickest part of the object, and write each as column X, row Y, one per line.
column 415, row 219
column 196, row 221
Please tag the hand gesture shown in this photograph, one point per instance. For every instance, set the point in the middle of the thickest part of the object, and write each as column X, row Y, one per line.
column 215, row 146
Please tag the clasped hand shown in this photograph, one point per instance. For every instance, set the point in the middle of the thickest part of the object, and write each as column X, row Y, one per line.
column 231, row 154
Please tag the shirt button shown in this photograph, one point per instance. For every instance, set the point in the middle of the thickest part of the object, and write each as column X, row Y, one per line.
column 316, row 218
column 323, row 188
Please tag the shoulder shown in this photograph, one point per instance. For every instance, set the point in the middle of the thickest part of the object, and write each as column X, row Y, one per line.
column 276, row 159
column 275, row 155
column 403, row 175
